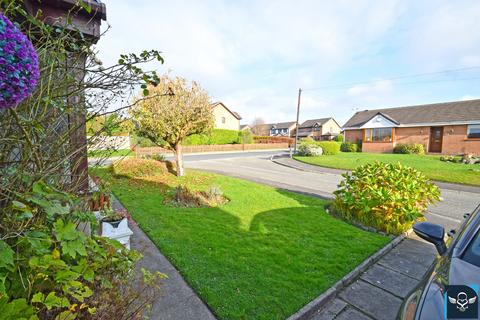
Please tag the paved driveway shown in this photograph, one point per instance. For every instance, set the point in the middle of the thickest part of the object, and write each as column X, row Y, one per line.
column 449, row 212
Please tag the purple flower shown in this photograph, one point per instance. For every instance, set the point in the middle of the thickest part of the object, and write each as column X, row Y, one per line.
column 19, row 70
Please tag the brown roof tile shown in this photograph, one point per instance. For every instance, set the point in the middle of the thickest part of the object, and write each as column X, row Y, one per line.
column 456, row 111
column 311, row 123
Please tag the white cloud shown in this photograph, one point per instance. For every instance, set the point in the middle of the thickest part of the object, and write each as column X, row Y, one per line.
column 377, row 87
column 254, row 55
column 469, row 97
column 446, row 36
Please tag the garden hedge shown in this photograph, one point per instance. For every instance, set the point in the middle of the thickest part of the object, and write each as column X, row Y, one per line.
column 329, row 147
column 409, row 148
column 349, row 147
column 217, row 136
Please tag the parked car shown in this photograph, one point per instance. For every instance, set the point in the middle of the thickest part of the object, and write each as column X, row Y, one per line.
column 458, row 263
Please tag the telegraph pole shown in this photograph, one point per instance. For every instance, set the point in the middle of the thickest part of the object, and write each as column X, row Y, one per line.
column 298, row 114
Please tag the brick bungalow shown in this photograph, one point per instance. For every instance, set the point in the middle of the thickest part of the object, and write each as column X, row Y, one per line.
column 446, row 128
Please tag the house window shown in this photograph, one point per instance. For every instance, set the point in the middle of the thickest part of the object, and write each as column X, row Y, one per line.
column 223, row 119
column 473, row 131
column 379, row 135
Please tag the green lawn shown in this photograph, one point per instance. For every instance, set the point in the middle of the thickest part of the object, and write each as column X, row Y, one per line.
column 111, row 153
column 263, row 255
column 428, row 164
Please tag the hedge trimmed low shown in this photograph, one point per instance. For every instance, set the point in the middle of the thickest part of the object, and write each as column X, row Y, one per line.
column 349, row 147
column 217, row 136
column 329, row 147
column 409, row 148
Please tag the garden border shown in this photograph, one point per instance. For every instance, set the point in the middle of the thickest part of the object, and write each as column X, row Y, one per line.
column 310, row 308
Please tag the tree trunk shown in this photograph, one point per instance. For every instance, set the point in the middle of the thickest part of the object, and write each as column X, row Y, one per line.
column 179, row 160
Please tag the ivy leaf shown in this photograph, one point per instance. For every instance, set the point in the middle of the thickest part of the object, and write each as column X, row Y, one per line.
column 39, row 241
column 66, row 275
column 52, row 301
column 6, row 256
column 66, row 315
column 17, row 309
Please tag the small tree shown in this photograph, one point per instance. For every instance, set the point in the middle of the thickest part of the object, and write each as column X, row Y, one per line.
column 175, row 110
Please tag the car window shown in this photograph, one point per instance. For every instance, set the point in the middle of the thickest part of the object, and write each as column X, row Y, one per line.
column 472, row 254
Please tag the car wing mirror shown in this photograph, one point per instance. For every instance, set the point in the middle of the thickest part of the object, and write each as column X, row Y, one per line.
column 432, row 233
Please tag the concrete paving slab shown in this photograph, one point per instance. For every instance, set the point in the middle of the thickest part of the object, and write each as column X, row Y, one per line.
column 330, row 311
column 389, row 280
column 402, row 263
column 372, row 300
column 352, row 314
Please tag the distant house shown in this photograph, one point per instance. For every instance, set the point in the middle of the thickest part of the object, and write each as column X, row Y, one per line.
column 225, row 118
column 245, row 127
column 448, row 128
column 285, row 129
column 319, row 129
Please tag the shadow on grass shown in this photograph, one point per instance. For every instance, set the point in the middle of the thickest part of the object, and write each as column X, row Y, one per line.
column 244, row 259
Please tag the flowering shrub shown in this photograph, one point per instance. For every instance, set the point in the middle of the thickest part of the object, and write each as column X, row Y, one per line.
column 388, row 197
column 19, row 70
column 309, row 150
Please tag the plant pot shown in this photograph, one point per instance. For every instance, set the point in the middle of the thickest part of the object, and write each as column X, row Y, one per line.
column 117, row 230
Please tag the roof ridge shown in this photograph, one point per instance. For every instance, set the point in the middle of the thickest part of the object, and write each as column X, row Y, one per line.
column 420, row 105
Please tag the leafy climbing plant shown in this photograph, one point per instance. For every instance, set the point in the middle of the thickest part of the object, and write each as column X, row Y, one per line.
column 52, row 263
column 50, row 269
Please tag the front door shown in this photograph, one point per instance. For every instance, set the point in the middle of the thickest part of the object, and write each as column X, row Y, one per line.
column 436, row 139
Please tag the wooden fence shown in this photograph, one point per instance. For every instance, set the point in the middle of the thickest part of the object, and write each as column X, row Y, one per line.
column 140, row 152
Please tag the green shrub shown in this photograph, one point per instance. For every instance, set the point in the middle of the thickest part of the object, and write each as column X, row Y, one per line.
column 329, row 147
column 349, row 147
column 133, row 167
column 245, row 136
column 409, row 148
column 309, row 150
column 339, row 138
column 217, row 136
column 388, row 197
column 142, row 142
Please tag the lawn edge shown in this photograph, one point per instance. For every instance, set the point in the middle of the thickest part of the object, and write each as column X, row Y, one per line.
column 310, row 308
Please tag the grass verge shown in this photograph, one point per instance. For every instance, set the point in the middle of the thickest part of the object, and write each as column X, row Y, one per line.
column 430, row 165
column 263, row 255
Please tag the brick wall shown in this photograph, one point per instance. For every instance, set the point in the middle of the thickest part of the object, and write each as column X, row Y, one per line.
column 139, row 152
column 378, row 147
column 353, row 135
column 413, row 135
column 455, row 141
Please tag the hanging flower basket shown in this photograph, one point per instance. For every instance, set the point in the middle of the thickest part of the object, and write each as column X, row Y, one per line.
column 19, row 71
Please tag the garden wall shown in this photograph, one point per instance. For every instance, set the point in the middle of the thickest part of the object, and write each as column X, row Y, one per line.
column 139, row 152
